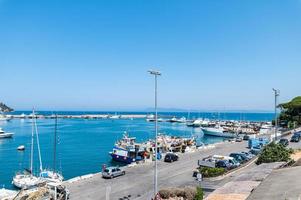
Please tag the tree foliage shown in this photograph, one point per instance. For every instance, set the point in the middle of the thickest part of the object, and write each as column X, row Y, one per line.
column 274, row 152
column 291, row 112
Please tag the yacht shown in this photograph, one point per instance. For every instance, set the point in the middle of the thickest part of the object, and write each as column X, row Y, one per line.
column 5, row 135
column 172, row 120
column 217, row 131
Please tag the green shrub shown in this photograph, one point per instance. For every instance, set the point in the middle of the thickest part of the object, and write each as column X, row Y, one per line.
column 274, row 152
column 199, row 194
column 208, row 172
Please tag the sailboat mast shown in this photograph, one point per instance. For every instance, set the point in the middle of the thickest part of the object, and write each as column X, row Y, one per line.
column 32, row 140
column 38, row 144
column 54, row 144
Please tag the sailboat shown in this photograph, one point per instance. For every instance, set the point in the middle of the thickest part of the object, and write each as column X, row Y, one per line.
column 26, row 179
column 49, row 175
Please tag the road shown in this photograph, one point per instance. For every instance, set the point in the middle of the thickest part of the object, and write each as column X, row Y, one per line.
column 138, row 182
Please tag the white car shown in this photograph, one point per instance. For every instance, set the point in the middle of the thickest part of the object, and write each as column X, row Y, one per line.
column 111, row 172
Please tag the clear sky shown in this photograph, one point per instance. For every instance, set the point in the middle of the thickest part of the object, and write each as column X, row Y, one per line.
column 93, row 55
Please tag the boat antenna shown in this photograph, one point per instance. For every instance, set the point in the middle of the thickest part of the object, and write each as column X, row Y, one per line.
column 54, row 144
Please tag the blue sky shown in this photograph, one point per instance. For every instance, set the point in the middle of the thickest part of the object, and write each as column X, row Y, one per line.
column 93, row 55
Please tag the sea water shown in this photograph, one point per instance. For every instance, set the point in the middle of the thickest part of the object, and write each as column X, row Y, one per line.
column 83, row 144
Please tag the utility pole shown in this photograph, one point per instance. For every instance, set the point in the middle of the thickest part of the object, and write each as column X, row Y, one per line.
column 276, row 93
column 156, row 74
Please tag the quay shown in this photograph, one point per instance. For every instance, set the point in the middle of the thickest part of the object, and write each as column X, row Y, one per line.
column 138, row 181
column 85, row 116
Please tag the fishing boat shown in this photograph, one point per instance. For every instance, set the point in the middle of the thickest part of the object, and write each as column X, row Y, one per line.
column 218, row 132
column 5, row 135
column 127, row 150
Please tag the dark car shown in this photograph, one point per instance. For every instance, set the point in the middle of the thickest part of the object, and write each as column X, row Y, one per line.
column 240, row 157
column 283, row 141
column 255, row 151
column 246, row 137
column 170, row 157
column 224, row 164
column 296, row 138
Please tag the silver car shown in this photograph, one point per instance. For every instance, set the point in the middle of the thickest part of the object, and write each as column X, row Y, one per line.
column 111, row 172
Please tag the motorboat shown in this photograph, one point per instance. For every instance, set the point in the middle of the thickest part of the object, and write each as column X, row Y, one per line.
column 172, row 120
column 21, row 148
column 5, row 135
column 217, row 131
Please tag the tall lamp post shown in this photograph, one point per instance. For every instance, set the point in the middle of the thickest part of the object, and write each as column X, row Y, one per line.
column 156, row 74
column 276, row 93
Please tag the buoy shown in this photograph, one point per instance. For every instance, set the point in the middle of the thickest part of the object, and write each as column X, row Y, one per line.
column 21, row 148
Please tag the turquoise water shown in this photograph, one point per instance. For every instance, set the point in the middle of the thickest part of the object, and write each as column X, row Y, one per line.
column 83, row 144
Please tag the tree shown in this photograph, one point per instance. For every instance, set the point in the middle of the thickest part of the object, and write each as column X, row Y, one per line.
column 290, row 115
column 274, row 152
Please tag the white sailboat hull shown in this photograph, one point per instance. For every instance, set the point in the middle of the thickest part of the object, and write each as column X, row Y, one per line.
column 24, row 181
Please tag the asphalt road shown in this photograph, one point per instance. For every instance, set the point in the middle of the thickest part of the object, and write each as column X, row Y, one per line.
column 138, row 181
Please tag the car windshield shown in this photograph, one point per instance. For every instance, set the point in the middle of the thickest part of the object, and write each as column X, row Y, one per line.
column 107, row 170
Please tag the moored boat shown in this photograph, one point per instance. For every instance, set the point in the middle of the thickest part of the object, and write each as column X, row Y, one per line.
column 127, row 150
column 5, row 135
column 217, row 131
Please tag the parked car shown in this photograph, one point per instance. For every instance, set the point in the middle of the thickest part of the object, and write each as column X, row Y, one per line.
column 255, row 151
column 224, row 164
column 296, row 138
column 283, row 141
column 246, row 137
column 240, row 157
column 238, row 139
column 248, row 154
column 111, row 172
column 170, row 157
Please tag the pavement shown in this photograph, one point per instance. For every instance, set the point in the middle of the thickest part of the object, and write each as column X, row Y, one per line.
column 282, row 184
column 138, row 182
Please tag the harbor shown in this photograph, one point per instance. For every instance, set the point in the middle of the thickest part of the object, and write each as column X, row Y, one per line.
column 116, row 142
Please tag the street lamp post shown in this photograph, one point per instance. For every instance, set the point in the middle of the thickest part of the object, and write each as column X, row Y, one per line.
column 276, row 93
column 156, row 74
